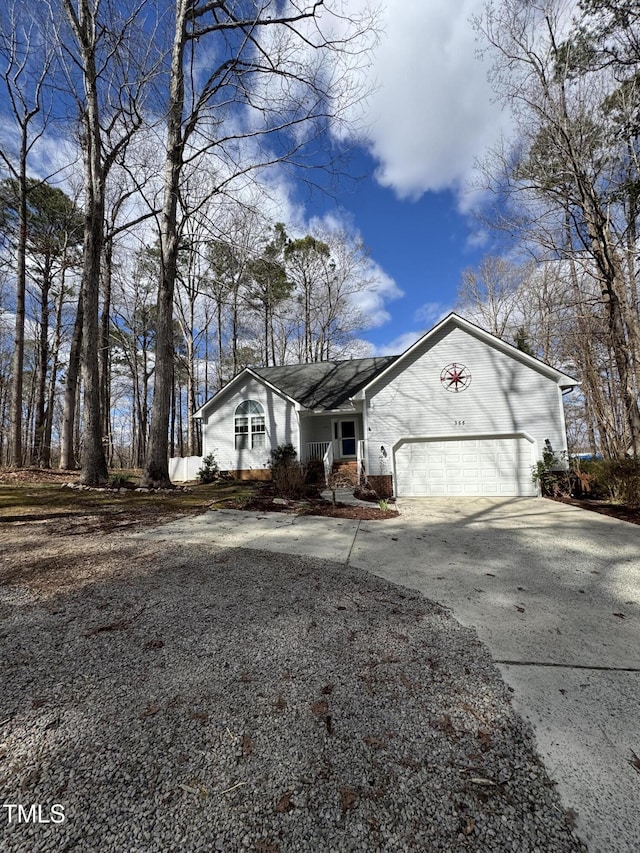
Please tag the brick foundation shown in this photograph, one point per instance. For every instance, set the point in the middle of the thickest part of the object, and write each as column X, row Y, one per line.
column 251, row 474
column 382, row 485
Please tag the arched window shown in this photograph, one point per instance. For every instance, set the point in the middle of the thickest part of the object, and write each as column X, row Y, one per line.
column 249, row 426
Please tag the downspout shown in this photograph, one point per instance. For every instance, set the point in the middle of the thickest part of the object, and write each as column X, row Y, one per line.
column 563, row 420
column 297, row 410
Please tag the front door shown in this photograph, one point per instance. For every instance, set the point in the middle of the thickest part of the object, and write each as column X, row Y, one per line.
column 344, row 433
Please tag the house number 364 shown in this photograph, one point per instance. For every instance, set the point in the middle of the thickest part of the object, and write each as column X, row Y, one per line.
column 459, row 423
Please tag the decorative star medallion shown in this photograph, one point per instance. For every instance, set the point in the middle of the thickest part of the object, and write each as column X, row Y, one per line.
column 455, row 377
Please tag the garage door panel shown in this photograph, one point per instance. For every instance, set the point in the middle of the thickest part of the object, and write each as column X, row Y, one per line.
column 485, row 466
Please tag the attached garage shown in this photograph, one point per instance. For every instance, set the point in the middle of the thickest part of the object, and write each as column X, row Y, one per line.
column 481, row 466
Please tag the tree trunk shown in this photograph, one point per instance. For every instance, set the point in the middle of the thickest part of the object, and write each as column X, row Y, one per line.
column 180, row 427
column 622, row 335
column 94, row 466
column 67, row 438
column 55, row 355
column 156, row 469
column 267, row 323
column 43, row 364
column 206, row 355
column 172, row 430
column 104, row 350
column 15, row 412
column 191, row 395
column 234, row 332
column 137, row 451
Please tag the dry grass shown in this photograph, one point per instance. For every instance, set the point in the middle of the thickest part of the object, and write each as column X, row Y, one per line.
column 40, row 497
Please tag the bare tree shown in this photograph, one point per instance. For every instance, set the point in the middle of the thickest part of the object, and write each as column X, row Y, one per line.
column 5, row 362
column 26, row 55
column 191, row 283
column 280, row 91
column 309, row 264
column 492, row 293
column 68, row 443
column 568, row 172
column 229, row 265
column 339, row 314
column 132, row 336
column 269, row 285
column 106, row 72
column 328, row 270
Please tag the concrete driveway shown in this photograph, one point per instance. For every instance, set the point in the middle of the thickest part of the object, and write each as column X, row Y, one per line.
column 555, row 594
column 552, row 590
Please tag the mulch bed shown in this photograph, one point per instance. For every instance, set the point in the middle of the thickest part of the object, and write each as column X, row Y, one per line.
column 263, row 502
column 364, row 513
column 624, row 513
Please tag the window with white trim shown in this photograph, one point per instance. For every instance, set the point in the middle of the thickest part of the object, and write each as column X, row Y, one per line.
column 249, row 426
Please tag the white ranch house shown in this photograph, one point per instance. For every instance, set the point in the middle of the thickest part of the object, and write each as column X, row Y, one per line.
column 458, row 413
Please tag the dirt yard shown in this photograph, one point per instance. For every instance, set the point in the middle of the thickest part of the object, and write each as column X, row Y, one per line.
column 184, row 697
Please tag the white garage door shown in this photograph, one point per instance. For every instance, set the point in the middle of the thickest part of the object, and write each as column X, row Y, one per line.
column 473, row 466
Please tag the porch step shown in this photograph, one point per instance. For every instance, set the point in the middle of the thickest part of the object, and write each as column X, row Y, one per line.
column 346, row 472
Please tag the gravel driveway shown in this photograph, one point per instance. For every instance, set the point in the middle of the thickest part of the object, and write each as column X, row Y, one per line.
column 199, row 698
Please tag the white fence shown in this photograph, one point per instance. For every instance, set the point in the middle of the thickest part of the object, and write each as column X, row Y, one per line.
column 315, row 450
column 184, row 468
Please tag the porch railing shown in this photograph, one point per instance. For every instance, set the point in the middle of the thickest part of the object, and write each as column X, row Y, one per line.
column 327, row 461
column 324, row 450
column 315, row 450
column 362, row 476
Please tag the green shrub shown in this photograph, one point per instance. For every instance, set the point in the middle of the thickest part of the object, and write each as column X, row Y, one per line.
column 120, row 481
column 283, row 455
column 615, row 480
column 209, row 470
column 593, row 471
column 552, row 475
column 287, row 474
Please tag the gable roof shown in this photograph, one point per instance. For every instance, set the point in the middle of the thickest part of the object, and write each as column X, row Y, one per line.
column 324, row 384
column 329, row 385
column 562, row 379
column 320, row 385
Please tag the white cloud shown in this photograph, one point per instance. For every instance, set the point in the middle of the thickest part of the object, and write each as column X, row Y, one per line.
column 432, row 114
column 51, row 156
column 379, row 287
column 400, row 344
column 372, row 301
column 427, row 316
column 431, row 313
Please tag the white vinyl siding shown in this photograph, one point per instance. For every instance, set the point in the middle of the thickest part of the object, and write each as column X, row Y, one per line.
column 280, row 426
column 488, row 466
column 505, row 397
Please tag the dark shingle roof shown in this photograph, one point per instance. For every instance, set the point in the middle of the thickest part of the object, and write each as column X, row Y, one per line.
column 324, row 384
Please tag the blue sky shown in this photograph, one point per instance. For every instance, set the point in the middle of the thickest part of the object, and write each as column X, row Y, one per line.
column 423, row 244
column 430, row 120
